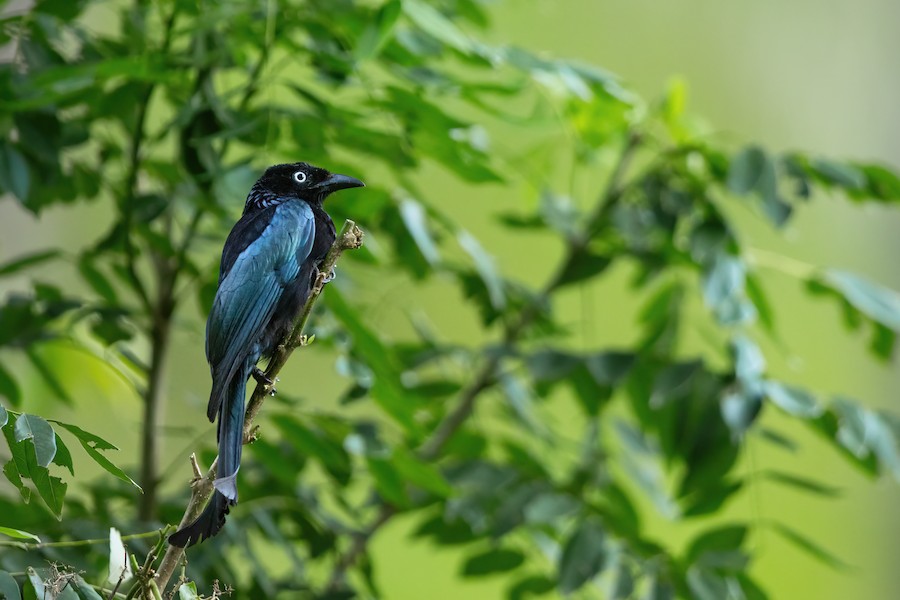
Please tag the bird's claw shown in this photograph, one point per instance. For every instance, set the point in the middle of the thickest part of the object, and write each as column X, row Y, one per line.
column 330, row 277
column 261, row 378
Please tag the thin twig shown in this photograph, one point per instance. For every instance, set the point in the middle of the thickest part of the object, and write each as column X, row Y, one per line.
column 75, row 543
column 350, row 238
column 485, row 377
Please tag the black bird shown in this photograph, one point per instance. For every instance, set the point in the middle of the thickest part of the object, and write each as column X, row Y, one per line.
column 269, row 264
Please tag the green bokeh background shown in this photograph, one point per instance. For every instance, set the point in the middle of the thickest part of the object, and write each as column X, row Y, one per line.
column 820, row 76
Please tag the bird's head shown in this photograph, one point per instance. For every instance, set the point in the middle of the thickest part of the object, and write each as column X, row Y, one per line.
column 298, row 180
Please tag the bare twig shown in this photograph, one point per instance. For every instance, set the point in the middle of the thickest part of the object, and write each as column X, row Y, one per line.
column 485, row 377
column 349, row 238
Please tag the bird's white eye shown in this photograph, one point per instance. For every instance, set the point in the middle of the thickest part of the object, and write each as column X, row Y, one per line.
column 300, row 177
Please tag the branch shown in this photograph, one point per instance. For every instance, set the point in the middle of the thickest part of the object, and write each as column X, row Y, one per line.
column 484, row 379
column 350, row 238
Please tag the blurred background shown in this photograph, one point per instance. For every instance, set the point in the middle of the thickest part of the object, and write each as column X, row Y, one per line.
column 811, row 75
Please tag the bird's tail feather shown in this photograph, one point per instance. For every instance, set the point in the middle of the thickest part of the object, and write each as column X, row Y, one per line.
column 208, row 524
column 231, row 438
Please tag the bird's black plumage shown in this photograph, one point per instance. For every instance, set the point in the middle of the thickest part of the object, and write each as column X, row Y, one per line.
column 269, row 263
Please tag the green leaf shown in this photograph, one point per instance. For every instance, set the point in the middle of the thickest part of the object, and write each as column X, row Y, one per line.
column 809, row 546
column 188, row 591
column 491, row 562
column 36, row 429
column 84, row 590
column 802, row 483
column 119, row 566
column 419, row 473
column 720, row 539
column 19, row 534
column 793, row 400
column 747, row 169
column 430, row 20
column 378, row 31
column 414, row 217
column 878, row 303
column 388, row 482
column 29, row 260
column 4, row 416
column 550, row 507
column 535, row 585
column 92, row 444
column 740, row 409
column 707, row 585
column 842, row 174
column 9, row 589
column 484, row 265
column 14, row 174
column 583, row 557
column 9, row 389
column 51, row 489
column 97, row 280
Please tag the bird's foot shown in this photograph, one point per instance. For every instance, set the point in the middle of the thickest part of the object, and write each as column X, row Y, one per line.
column 260, row 376
column 330, row 277
column 264, row 380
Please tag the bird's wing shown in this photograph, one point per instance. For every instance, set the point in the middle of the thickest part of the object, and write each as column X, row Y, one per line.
column 250, row 290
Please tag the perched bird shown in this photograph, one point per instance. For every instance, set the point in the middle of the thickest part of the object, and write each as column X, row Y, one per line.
column 269, row 264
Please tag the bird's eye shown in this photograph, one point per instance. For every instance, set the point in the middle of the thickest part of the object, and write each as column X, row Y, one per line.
column 300, row 177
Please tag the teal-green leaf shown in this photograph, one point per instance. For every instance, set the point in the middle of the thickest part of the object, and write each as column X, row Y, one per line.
column 746, row 170
column 878, row 303
column 35, row 585
column 9, row 389
column 19, row 534
column 29, row 260
column 707, row 585
column 435, row 24
column 793, row 400
column 493, row 561
column 739, row 410
column 9, row 589
column 14, row 174
column 4, row 416
column 583, row 557
column 414, row 217
column 485, row 266
column 36, row 429
column 842, row 174
column 723, row 281
column 84, row 590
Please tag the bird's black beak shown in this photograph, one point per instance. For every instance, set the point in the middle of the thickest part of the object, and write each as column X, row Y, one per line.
column 336, row 181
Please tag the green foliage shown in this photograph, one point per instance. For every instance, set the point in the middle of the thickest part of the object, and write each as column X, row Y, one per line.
column 161, row 119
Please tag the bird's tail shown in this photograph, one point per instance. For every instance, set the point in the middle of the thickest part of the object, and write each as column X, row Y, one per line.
column 231, row 439
column 208, row 524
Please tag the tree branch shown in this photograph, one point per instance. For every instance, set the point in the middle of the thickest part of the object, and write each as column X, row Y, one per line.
column 349, row 238
column 484, row 379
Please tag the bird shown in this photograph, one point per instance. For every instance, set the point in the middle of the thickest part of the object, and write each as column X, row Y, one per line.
column 270, row 262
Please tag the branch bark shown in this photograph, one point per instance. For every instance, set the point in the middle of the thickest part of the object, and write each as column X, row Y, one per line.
column 485, row 377
column 350, row 238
